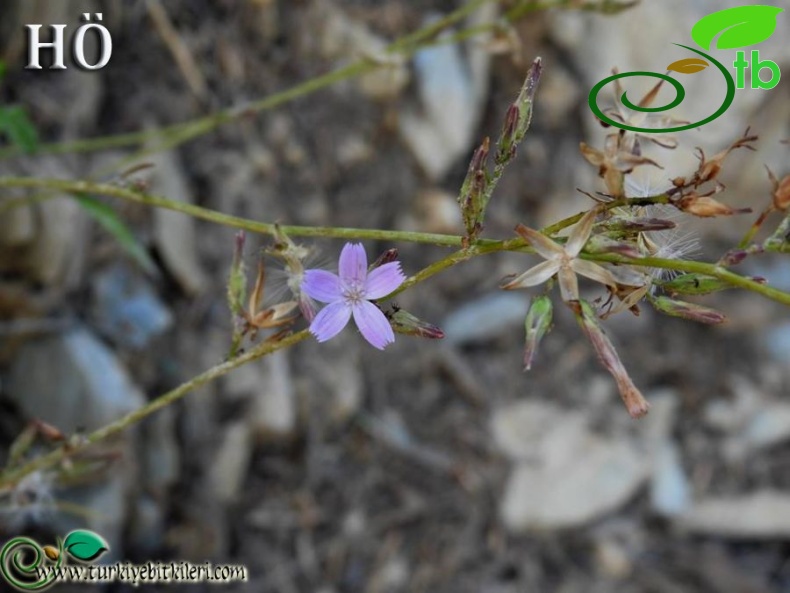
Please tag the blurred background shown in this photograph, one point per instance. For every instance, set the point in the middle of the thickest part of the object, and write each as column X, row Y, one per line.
column 435, row 466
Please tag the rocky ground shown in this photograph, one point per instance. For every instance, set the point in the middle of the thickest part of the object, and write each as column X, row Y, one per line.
column 332, row 467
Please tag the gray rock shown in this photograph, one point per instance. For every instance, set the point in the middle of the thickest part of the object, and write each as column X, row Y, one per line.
column 760, row 515
column 126, row 308
column 161, row 455
column 485, row 318
column 147, row 533
column 670, row 491
column 777, row 340
column 72, row 381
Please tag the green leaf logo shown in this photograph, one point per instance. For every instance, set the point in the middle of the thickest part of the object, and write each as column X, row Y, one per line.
column 85, row 545
column 739, row 27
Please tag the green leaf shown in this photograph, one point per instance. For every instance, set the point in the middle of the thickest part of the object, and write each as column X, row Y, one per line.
column 107, row 218
column 15, row 123
column 2, row 70
column 740, row 26
column 85, row 545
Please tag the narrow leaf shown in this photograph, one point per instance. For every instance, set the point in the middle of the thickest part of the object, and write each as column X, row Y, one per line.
column 108, row 219
column 85, row 545
column 740, row 26
column 16, row 125
column 688, row 66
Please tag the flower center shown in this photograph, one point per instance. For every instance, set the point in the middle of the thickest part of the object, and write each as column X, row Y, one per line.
column 354, row 293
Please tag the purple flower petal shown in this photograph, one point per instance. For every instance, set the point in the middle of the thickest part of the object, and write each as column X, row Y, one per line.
column 371, row 322
column 323, row 286
column 383, row 280
column 330, row 320
column 353, row 265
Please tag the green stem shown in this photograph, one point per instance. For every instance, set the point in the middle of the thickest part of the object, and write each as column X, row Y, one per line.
column 13, row 476
column 708, row 269
column 182, row 132
column 479, row 247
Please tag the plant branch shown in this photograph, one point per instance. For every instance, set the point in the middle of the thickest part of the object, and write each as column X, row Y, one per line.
column 12, row 476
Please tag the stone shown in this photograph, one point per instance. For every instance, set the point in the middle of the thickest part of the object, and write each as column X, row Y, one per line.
column 603, row 475
column 485, row 318
column 230, row 465
column 126, row 308
column 71, row 380
column 764, row 514
column 174, row 232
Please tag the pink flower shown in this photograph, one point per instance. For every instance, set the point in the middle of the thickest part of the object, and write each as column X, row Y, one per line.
column 349, row 294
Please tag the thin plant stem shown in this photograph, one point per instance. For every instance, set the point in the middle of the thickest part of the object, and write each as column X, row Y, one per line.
column 12, row 476
column 177, row 134
column 479, row 247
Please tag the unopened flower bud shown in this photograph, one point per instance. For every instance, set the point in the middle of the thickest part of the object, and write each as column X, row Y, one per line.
column 637, row 224
column 690, row 311
column 633, row 399
column 518, row 116
column 537, row 325
column 237, row 280
column 472, row 196
column 733, row 257
column 387, row 257
column 695, row 284
column 404, row 322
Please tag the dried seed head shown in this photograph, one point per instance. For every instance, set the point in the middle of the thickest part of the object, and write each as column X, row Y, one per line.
column 782, row 194
column 633, row 399
column 707, row 207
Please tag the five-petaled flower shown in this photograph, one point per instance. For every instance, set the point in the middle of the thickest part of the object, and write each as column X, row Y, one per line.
column 564, row 261
column 349, row 293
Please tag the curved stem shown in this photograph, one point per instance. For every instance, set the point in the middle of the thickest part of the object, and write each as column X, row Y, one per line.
column 13, row 476
column 182, row 132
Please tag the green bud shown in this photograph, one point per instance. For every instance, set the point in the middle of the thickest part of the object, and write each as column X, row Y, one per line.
column 537, row 325
column 405, row 323
column 237, row 281
column 695, row 284
column 473, row 190
column 685, row 310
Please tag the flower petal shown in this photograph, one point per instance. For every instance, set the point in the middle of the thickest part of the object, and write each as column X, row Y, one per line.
column 594, row 271
column 580, row 233
column 534, row 276
column 627, row 276
column 383, row 280
column 323, row 286
column 373, row 325
column 353, row 265
column 569, row 285
column 544, row 246
column 330, row 320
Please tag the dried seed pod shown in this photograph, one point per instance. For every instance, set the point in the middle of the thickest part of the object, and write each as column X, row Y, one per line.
column 707, row 207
